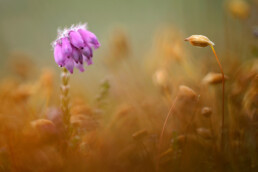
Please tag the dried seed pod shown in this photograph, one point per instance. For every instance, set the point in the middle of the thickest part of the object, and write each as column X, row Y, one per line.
column 239, row 8
column 140, row 134
column 213, row 78
column 204, row 132
column 186, row 92
column 199, row 41
column 45, row 128
column 206, row 111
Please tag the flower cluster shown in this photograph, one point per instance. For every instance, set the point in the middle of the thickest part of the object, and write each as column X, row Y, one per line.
column 74, row 46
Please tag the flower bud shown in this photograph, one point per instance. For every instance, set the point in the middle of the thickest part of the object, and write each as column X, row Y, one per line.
column 199, row 41
column 79, row 66
column 59, row 57
column 87, row 51
column 66, row 47
column 76, row 55
column 81, row 59
column 76, row 39
column 89, row 38
column 88, row 60
column 69, row 64
column 44, row 127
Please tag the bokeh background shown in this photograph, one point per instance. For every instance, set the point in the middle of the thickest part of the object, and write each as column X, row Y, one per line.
column 30, row 26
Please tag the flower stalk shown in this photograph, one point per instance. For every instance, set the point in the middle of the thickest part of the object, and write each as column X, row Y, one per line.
column 65, row 97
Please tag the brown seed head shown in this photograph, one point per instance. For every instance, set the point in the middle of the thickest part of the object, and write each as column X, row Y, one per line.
column 213, row 78
column 44, row 127
column 199, row 41
column 186, row 92
column 206, row 111
column 204, row 132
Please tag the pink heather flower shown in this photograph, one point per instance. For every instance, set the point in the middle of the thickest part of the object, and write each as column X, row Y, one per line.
column 79, row 66
column 66, row 46
column 76, row 39
column 90, row 38
column 59, row 57
column 88, row 60
column 69, row 64
column 74, row 46
column 87, row 51
column 76, row 54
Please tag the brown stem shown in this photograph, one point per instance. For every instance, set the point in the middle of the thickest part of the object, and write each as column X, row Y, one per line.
column 163, row 129
column 223, row 96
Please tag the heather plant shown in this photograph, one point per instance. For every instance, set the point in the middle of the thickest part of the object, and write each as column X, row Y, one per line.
column 72, row 48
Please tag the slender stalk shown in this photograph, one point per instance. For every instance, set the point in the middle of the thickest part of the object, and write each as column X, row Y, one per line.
column 223, row 97
column 65, row 99
column 163, row 129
